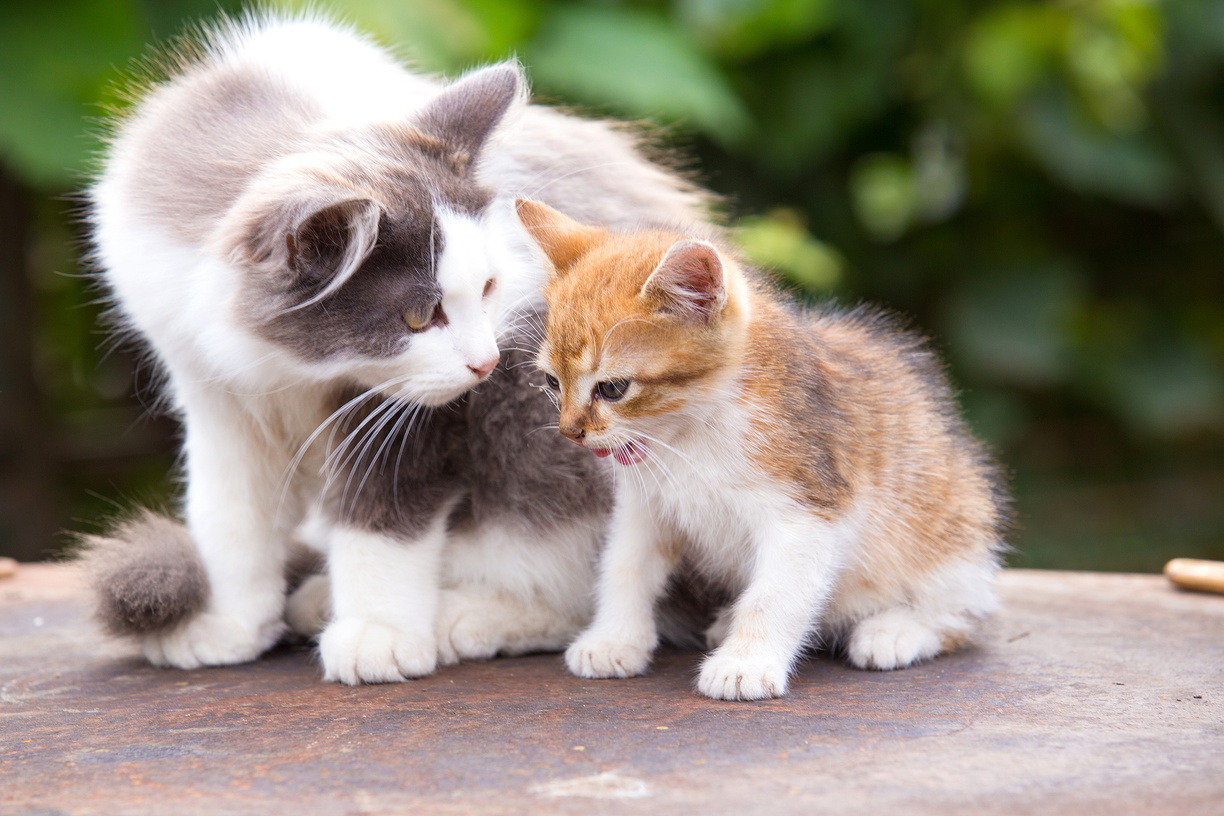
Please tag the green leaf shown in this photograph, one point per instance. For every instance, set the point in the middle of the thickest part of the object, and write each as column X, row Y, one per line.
column 639, row 64
column 739, row 29
column 55, row 59
column 1088, row 158
column 884, row 194
column 1011, row 48
column 779, row 242
column 1016, row 327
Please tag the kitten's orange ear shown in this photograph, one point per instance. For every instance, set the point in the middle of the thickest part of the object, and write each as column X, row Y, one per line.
column 689, row 282
column 562, row 238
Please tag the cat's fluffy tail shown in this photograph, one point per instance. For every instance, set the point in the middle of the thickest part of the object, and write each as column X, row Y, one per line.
column 146, row 575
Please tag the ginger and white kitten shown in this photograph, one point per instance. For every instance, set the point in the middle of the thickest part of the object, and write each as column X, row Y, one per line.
column 812, row 463
column 320, row 249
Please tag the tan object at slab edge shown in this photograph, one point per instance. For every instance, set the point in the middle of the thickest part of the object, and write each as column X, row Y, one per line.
column 8, row 567
column 1193, row 573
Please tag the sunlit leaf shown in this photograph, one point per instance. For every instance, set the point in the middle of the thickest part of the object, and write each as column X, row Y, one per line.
column 637, row 63
column 780, row 243
column 1011, row 47
column 55, row 59
column 738, row 29
column 885, row 195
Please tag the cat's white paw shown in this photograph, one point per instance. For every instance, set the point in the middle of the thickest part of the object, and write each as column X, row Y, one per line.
column 356, row 650
column 891, row 640
column 733, row 677
column 716, row 633
column 469, row 628
column 212, row 639
column 595, row 656
column 309, row 607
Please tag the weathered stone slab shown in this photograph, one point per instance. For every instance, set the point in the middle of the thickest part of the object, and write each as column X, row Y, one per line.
column 1090, row 694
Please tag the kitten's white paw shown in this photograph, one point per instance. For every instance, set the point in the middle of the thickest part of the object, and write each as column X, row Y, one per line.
column 309, row 607
column 212, row 639
column 732, row 677
column 356, row 650
column 891, row 640
column 595, row 656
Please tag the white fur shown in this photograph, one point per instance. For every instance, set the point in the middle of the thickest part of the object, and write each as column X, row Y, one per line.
column 384, row 600
column 536, row 600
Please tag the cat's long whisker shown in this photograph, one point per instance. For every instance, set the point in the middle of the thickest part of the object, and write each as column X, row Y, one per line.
column 339, row 453
column 296, row 461
column 384, row 443
column 405, row 433
column 335, row 450
column 357, row 440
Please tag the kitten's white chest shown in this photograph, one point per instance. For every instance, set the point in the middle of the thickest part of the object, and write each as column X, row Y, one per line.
column 709, row 493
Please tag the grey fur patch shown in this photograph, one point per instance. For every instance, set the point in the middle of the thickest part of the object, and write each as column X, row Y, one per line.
column 146, row 575
column 492, row 454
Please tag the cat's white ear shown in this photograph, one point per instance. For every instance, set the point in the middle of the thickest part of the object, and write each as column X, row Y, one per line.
column 689, row 282
column 465, row 113
column 562, row 239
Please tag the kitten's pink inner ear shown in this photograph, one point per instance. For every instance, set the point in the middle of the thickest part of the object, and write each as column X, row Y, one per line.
column 689, row 282
column 562, row 238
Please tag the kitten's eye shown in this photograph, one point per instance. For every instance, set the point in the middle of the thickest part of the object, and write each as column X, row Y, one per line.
column 612, row 390
column 419, row 320
column 553, row 382
column 490, row 285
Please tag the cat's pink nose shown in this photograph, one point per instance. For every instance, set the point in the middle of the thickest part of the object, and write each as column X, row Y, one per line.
column 573, row 432
column 483, row 370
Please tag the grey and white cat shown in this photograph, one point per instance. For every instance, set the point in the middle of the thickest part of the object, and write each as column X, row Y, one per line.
column 320, row 249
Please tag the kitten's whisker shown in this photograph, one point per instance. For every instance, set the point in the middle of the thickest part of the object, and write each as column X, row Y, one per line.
column 625, row 321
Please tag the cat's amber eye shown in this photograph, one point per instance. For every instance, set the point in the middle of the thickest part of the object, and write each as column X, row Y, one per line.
column 553, row 382
column 612, row 390
column 422, row 318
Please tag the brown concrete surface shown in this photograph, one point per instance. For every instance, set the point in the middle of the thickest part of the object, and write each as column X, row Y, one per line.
column 1090, row 694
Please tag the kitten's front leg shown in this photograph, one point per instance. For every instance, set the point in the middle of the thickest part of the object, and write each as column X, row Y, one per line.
column 632, row 576
column 384, row 600
column 769, row 623
column 238, row 523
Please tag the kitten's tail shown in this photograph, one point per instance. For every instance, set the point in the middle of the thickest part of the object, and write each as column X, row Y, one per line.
column 146, row 575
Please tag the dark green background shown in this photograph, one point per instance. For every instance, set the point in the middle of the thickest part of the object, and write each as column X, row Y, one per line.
column 1041, row 185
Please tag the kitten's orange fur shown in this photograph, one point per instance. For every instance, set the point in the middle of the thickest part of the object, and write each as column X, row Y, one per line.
column 837, row 426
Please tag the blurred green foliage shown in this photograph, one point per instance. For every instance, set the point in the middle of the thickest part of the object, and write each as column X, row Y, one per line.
column 1040, row 184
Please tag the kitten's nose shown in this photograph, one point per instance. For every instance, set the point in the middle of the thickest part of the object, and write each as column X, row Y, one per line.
column 573, row 432
column 483, row 370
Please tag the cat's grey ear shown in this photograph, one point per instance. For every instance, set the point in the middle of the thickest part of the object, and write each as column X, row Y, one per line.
column 464, row 115
column 562, row 239
column 309, row 243
column 328, row 244
column 689, row 282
